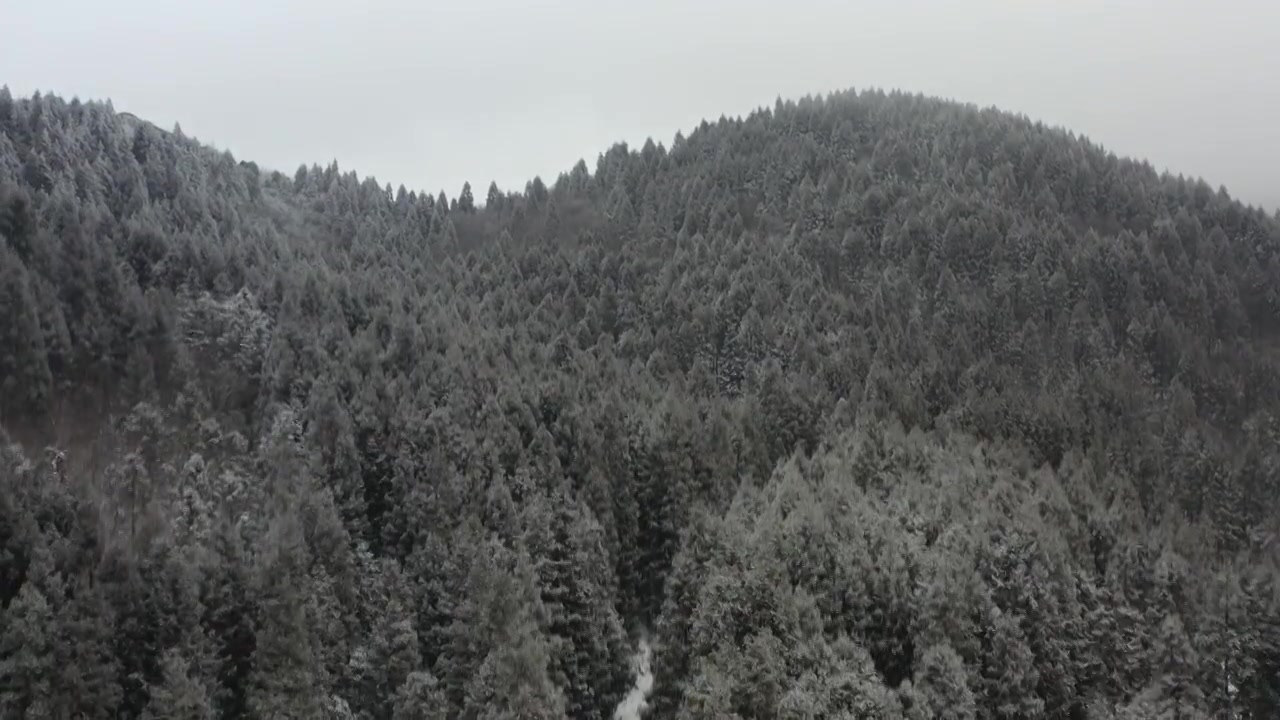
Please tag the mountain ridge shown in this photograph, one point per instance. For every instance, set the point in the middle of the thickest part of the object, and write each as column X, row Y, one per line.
column 869, row 403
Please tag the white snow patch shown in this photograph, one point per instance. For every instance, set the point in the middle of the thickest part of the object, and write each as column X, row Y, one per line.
column 637, row 699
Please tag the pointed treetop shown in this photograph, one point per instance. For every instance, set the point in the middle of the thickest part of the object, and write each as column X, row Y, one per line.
column 466, row 202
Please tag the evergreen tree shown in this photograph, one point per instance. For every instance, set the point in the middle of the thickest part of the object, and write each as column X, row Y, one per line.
column 574, row 580
column 179, row 696
column 466, row 202
column 942, row 684
column 283, row 682
column 229, row 623
column 86, row 684
column 25, row 380
column 1173, row 692
column 26, row 656
column 393, row 660
column 420, row 698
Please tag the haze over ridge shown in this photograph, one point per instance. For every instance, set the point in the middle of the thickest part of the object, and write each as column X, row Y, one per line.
column 432, row 95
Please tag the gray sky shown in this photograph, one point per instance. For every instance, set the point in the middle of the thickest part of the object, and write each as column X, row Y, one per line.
column 433, row 93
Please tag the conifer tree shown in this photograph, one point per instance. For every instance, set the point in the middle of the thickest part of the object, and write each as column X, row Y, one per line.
column 179, row 695
column 26, row 656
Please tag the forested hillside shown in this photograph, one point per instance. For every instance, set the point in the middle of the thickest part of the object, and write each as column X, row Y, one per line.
column 864, row 406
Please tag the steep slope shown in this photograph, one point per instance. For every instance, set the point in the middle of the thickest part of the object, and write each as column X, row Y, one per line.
column 868, row 403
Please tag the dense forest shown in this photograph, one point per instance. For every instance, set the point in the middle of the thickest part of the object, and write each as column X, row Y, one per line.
column 862, row 406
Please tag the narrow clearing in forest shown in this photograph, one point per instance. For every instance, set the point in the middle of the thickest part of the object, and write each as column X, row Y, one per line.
column 635, row 701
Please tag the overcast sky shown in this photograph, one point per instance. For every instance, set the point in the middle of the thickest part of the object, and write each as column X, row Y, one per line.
column 430, row 94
